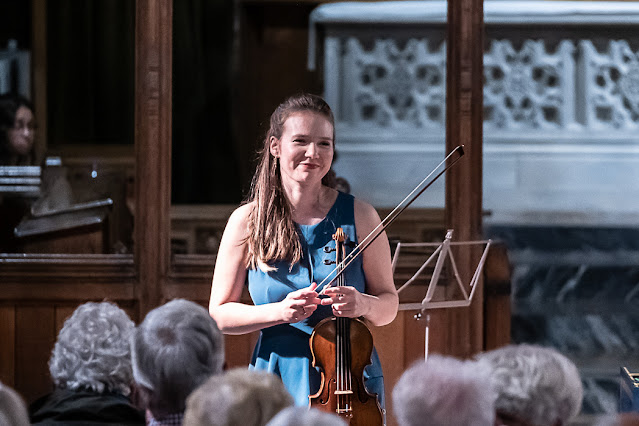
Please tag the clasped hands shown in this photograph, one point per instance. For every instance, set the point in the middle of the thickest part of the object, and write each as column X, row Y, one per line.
column 346, row 301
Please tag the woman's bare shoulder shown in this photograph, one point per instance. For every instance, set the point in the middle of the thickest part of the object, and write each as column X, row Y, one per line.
column 365, row 211
column 366, row 217
column 240, row 217
column 243, row 211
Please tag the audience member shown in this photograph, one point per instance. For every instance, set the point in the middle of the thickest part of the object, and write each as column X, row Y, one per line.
column 444, row 391
column 17, row 131
column 239, row 397
column 301, row 416
column 175, row 349
column 535, row 385
column 619, row 419
column 91, row 369
column 13, row 412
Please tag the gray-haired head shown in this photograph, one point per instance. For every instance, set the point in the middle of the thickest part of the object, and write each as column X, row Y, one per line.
column 175, row 349
column 238, row 397
column 444, row 391
column 302, row 416
column 93, row 350
column 534, row 383
column 12, row 409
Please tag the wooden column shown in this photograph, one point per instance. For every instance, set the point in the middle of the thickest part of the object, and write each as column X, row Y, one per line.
column 39, row 81
column 464, row 78
column 153, row 73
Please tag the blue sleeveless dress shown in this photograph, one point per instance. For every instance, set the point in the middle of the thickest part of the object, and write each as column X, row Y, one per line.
column 284, row 349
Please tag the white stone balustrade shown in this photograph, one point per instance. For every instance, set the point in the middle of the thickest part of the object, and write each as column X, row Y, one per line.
column 561, row 104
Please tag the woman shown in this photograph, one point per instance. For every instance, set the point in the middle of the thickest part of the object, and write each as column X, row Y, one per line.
column 17, row 131
column 276, row 242
column 16, row 149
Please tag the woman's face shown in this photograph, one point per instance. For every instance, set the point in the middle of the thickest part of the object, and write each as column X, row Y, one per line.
column 22, row 135
column 305, row 149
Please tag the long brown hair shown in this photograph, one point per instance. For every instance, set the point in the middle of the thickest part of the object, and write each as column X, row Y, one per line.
column 272, row 234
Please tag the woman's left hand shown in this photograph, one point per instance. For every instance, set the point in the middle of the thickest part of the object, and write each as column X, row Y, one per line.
column 346, row 301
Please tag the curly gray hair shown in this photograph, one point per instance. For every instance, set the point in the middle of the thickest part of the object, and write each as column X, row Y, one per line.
column 444, row 391
column 93, row 350
column 175, row 349
column 534, row 383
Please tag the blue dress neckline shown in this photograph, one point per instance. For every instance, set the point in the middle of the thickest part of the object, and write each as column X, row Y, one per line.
column 328, row 214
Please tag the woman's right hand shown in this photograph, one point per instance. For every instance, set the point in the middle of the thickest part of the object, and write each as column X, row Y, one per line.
column 300, row 304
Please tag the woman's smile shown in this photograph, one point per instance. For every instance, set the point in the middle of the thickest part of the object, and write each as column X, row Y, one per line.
column 305, row 149
column 310, row 166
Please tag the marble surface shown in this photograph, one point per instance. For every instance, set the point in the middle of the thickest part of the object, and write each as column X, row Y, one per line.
column 577, row 289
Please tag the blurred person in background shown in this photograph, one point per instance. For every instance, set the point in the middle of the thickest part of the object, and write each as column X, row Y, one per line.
column 13, row 412
column 17, row 131
column 238, row 397
column 536, row 385
column 300, row 416
column 444, row 391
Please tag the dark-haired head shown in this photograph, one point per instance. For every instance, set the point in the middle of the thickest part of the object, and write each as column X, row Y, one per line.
column 17, row 126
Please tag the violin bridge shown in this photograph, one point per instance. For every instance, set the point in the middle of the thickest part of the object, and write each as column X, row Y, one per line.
column 343, row 392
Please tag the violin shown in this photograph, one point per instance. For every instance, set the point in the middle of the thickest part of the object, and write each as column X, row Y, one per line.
column 342, row 390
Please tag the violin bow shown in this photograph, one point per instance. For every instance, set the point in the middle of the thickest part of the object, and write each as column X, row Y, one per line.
column 456, row 154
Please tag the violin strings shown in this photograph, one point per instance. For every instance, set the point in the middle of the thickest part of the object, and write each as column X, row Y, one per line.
column 390, row 218
column 339, row 337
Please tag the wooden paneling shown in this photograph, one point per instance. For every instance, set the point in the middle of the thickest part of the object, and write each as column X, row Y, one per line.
column 35, row 337
column 239, row 349
column 89, row 239
column 391, row 348
column 497, row 309
column 61, row 315
column 7, row 345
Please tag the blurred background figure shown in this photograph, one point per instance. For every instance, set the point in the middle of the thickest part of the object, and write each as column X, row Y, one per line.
column 17, row 138
column 176, row 348
column 300, row 416
column 91, row 369
column 17, row 135
column 17, row 131
column 535, row 385
column 238, row 397
column 619, row 419
column 444, row 391
column 12, row 409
